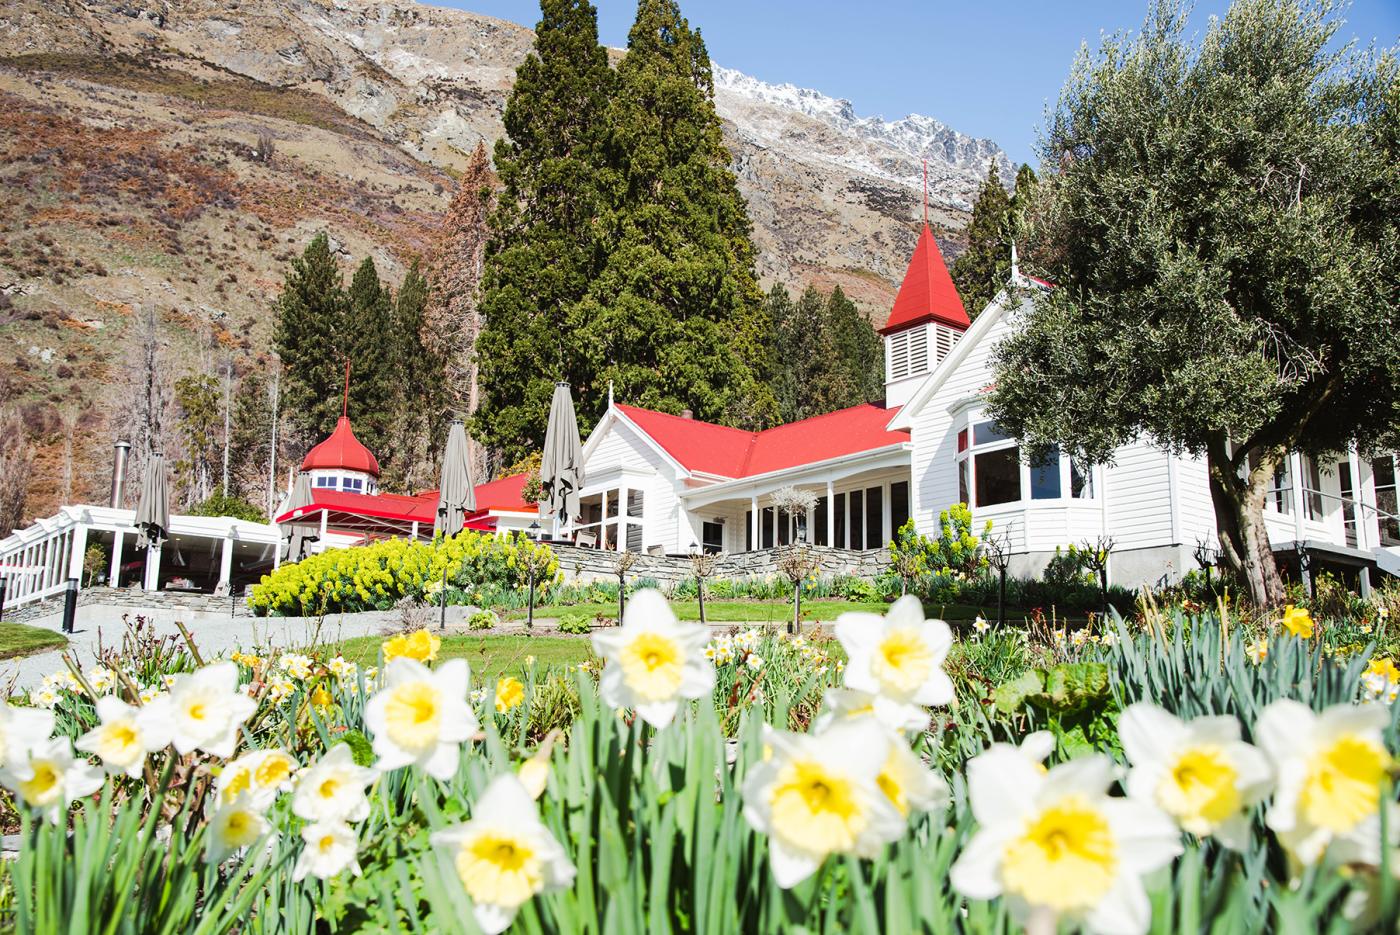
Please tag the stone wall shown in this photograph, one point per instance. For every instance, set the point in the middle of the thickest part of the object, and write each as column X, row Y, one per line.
column 580, row 566
column 134, row 599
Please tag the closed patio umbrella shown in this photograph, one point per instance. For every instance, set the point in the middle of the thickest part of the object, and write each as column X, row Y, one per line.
column 295, row 542
column 561, row 464
column 153, row 509
column 456, row 492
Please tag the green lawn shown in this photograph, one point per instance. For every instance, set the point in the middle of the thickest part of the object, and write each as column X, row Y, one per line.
column 17, row 640
column 771, row 611
column 489, row 656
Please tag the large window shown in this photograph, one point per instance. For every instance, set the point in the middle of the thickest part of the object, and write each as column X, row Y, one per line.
column 712, row 537
column 991, row 472
column 855, row 498
column 874, row 519
column 899, row 505
column 1383, row 471
column 818, row 534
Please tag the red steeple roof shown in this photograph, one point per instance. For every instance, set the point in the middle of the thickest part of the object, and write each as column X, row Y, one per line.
column 341, row 451
column 927, row 293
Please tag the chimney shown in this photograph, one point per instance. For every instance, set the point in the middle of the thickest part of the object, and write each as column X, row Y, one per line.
column 687, row 414
column 120, row 452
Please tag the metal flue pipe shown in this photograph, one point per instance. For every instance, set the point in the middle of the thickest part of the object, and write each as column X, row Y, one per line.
column 119, row 457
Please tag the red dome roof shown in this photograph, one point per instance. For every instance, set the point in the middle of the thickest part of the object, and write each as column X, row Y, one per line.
column 341, row 451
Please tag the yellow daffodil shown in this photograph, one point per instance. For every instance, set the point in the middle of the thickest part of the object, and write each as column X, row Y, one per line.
column 509, row 694
column 1298, row 621
column 1199, row 772
column 504, row 856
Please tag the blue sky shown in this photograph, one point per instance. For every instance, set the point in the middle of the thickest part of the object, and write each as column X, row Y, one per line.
column 985, row 68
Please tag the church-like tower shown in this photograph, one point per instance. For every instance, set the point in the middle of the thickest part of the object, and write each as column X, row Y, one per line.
column 927, row 319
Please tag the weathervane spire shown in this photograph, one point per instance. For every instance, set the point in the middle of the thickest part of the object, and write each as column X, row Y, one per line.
column 926, row 193
column 345, row 400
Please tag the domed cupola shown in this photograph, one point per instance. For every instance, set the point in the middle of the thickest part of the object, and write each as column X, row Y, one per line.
column 341, row 462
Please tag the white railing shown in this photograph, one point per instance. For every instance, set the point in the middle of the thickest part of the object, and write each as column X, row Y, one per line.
column 39, row 568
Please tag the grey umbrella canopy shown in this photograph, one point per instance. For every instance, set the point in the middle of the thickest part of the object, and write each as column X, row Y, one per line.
column 153, row 509
column 561, row 464
column 456, row 492
column 295, row 542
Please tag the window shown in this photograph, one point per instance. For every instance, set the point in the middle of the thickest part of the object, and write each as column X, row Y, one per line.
column 874, row 521
column 965, row 481
column 712, row 537
column 767, row 529
column 944, row 339
column 1383, row 471
column 855, row 498
column 1348, row 502
column 998, row 476
column 1081, row 480
column 1045, row 476
column 818, row 534
column 325, row 482
column 840, row 521
column 352, row 484
column 748, row 530
column 899, row 506
column 988, row 433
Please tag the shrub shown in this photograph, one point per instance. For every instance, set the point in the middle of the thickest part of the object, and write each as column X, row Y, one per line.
column 376, row 576
column 222, row 504
column 481, row 620
column 577, row 624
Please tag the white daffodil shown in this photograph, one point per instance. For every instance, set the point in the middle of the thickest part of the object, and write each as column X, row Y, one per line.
column 899, row 659
column 1330, row 769
column 818, row 794
column 126, row 735
column 653, row 661
column 981, row 625
column 331, row 848
column 908, row 782
column 504, row 856
column 1036, row 747
column 333, row 789
column 421, row 716
column 48, row 778
column 102, row 680
column 21, row 730
column 259, row 776
column 234, row 826
column 1199, row 772
column 839, row 704
column 1056, row 847
column 206, row 709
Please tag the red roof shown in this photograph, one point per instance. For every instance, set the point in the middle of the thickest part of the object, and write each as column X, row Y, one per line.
column 927, row 293
column 502, row 494
column 729, row 452
column 341, row 451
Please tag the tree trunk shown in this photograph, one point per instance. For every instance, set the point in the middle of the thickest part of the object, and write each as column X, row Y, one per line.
column 1239, row 515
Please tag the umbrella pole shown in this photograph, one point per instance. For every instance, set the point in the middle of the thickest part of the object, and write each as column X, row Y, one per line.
column 442, row 599
column 530, row 614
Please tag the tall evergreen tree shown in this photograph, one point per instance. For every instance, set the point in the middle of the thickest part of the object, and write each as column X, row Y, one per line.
column 250, row 437
column 675, row 317
column 547, row 242
column 804, row 381
column 985, row 266
column 200, row 421
column 373, row 346
column 312, row 317
column 858, row 357
column 421, row 392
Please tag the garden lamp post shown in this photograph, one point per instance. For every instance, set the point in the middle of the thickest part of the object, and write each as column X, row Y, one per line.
column 70, row 604
column 1305, row 568
column 530, row 612
column 442, row 598
column 4, row 581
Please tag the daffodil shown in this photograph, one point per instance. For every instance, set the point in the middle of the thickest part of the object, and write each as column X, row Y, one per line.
column 329, row 848
column 653, row 662
column 207, row 709
column 981, row 625
column 1298, row 621
column 1258, row 651
column 420, row 646
column 819, row 794
column 126, row 735
column 908, row 782
column 297, row 665
column 333, row 788
column 421, row 716
column 1331, row 768
column 233, row 826
column 898, row 659
column 21, row 730
column 1199, row 772
column 47, row 778
column 1055, row 846
column 534, row 772
column 259, row 775
column 509, row 694
column 504, row 856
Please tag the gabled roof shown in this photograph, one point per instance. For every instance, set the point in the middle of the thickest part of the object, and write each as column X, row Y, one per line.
column 703, row 447
column 927, row 292
column 502, row 494
column 341, row 451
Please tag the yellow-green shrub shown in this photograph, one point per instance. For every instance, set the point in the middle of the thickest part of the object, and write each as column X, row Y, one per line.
column 375, row 576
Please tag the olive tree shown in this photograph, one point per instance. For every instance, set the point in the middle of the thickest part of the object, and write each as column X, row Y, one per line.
column 1223, row 223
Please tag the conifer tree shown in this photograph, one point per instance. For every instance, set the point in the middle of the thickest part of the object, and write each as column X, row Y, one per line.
column 372, row 344
column 312, row 316
column 420, row 392
column 675, row 317
column 985, row 266
column 858, row 356
column 250, row 437
column 547, row 243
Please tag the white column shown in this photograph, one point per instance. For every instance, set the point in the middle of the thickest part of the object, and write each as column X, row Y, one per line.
column 831, row 513
column 755, row 523
column 76, row 553
column 118, row 539
column 277, row 549
column 226, row 564
column 151, row 579
column 622, row 518
column 1358, row 510
column 886, row 518
column 413, row 531
column 321, row 545
column 1295, row 467
column 45, row 564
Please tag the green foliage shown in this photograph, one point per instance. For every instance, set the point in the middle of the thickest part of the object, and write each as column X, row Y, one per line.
column 250, row 436
column 481, row 620
column 825, row 354
column 578, row 624
column 373, row 345
column 984, row 268
column 957, row 550
column 224, row 504
column 199, row 399
column 1073, row 700
column 1245, row 189
column 311, row 339
column 378, row 575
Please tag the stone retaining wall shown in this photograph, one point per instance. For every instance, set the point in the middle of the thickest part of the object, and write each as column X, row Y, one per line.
column 133, row 598
column 584, row 565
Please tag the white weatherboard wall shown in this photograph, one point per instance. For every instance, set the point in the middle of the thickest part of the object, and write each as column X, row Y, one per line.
column 623, row 457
